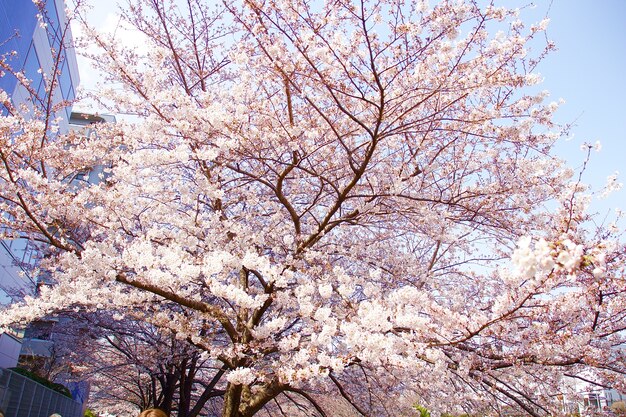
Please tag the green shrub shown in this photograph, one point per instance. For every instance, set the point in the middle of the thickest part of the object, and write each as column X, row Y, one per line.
column 619, row 408
column 60, row 388
column 425, row 413
column 423, row 410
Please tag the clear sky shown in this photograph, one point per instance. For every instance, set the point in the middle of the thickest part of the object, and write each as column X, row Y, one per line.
column 588, row 71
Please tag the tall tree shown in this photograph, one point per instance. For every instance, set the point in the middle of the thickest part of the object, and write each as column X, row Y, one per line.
column 133, row 366
column 347, row 197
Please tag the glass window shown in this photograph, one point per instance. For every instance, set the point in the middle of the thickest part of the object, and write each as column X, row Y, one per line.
column 65, row 81
column 32, row 69
column 592, row 401
column 54, row 26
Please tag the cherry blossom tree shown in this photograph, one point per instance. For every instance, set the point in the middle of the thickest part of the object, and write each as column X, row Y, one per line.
column 346, row 198
column 133, row 366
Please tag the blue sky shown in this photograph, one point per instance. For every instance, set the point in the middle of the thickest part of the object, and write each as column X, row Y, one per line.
column 589, row 72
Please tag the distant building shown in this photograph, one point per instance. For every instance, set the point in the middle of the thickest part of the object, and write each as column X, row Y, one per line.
column 34, row 42
column 37, row 46
column 589, row 398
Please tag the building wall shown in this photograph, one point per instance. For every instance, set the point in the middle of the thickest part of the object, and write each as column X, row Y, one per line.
column 17, row 26
column 34, row 47
column 28, row 45
column 10, row 346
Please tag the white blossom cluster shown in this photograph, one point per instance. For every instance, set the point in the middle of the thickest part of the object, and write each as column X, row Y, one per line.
column 335, row 199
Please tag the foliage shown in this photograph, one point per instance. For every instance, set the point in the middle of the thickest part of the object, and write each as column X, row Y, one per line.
column 422, row 410
column 353, row 199
column 619, row 408
column 60, row 388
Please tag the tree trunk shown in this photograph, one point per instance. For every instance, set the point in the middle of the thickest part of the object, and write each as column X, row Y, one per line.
column 187, row 377
column 168, row 389
column 232, row 400
column 240, row 402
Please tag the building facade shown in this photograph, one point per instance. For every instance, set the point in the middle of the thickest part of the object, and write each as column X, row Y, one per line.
column 36, row 41
column 39, row 73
